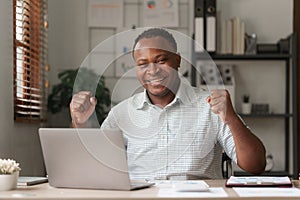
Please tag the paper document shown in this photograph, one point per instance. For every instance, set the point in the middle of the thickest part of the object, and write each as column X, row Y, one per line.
column 188, row 188
column 160, row 13
column 212, row 192
column 267, row 192
column 105, row 13
column 258, row 181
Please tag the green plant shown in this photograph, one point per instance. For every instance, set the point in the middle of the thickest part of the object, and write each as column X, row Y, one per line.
column 61, row 93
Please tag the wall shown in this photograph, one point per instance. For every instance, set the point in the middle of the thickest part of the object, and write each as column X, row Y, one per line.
column 68, row 44
column 17, row 141
column 68, row 35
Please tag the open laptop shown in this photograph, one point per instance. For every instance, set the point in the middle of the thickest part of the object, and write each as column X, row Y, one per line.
column 86, row 158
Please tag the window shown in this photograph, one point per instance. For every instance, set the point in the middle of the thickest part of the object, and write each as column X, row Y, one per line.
column 30, row 60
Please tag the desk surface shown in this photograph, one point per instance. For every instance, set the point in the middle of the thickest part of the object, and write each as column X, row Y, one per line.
column 44, row 191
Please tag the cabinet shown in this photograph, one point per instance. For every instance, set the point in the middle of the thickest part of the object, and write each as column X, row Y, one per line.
column 288, row 116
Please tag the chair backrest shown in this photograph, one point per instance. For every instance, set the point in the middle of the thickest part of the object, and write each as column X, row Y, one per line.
column 227, row 170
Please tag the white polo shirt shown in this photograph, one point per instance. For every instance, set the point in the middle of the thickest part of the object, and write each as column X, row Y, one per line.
column 184, row 140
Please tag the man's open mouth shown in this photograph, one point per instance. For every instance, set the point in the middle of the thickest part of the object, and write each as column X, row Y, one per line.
column 155, row 82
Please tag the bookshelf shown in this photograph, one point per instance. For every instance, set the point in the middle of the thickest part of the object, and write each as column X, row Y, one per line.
column 289, row 116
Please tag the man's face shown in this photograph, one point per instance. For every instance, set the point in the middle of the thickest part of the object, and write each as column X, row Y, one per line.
column 156, row 65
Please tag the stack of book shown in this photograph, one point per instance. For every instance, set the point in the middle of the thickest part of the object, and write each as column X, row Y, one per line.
column 232, row 36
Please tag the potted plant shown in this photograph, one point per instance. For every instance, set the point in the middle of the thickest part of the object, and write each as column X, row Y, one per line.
column 246, row 105
column 9, row 173
column 61, row 94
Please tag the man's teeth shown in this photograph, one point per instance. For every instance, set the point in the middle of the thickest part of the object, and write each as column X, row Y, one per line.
column 156, row 80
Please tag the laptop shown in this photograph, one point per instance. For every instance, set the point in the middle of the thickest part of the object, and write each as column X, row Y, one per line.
column 87, row 158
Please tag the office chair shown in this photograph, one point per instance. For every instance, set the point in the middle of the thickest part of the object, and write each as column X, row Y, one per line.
column 227, row 170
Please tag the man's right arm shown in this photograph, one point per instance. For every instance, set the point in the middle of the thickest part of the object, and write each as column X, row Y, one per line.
column 82, row 107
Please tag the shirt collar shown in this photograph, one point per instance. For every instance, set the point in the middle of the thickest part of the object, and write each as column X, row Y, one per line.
column 143, row 100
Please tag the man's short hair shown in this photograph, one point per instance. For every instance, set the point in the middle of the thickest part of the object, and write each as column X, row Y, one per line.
column 155, row 32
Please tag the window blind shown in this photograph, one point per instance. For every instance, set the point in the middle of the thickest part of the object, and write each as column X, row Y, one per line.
column 30, row 60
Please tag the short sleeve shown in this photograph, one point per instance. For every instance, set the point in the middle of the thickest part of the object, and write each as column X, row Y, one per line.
column 226, row 140
column 110, row 122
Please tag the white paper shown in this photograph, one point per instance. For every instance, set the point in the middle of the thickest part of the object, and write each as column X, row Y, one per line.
column 105, row 13
column 212, row 192
column 160, row 13
column 167, row 189
column 267, row 192
column 191, row 186
column 259, row 180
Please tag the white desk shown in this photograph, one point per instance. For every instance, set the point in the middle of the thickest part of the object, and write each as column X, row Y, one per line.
column 44, row 191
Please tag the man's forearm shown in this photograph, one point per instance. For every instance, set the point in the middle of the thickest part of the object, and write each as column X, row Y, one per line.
column 250, row 150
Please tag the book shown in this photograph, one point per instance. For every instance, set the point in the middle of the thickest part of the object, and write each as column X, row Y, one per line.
column 242, row 38
column 259, row 181
column 199, row 26
column 229, row 40
column 222, row 38
column 236, row 35
column 210, row 25
column 31, row 180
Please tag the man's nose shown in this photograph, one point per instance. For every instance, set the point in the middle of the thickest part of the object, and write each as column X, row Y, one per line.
column 153, row 68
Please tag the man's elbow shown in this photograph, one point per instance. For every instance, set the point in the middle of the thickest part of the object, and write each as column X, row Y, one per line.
column 254, row 167
column 260, row 168
column 260, row 164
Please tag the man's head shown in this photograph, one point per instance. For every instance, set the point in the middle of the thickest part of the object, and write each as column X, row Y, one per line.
column 157, row 62
column 157, row 32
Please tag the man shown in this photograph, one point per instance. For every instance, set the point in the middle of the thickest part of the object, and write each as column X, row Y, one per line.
column 173, row 130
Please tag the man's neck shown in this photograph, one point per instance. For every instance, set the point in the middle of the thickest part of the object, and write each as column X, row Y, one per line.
column 162, row 101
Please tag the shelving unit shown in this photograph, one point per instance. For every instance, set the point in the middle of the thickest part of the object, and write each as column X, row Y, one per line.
column 290, row 114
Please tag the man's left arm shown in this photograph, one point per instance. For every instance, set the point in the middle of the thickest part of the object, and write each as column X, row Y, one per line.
column 250, row 151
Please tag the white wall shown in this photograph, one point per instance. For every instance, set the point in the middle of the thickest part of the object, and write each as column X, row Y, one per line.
column 68, row 43
column 68, row 35
column 17, row 141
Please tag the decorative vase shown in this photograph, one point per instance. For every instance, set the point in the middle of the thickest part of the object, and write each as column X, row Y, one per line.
column 8, row 181
column 246, row 108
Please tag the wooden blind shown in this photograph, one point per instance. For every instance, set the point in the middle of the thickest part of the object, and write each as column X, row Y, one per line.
column 30, row 60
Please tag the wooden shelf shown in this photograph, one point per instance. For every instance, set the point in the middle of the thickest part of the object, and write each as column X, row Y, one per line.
column 242, row 57
column 271, row 115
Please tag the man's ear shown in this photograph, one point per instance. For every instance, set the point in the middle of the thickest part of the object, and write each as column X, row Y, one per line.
column 178, row 59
